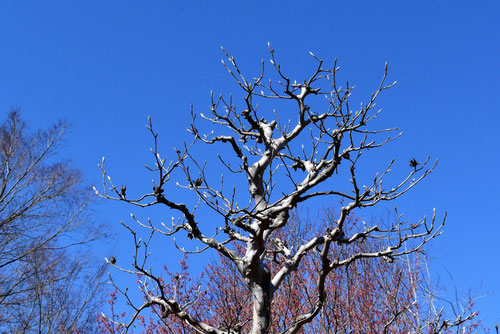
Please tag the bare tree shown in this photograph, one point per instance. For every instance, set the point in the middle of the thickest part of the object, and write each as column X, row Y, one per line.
column 46, row 286
column 286, row 158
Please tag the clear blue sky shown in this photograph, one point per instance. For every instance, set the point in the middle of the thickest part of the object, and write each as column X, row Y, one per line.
column 106, row 65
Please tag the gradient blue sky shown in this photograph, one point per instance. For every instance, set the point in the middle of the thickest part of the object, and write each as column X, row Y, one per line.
column 106, row 65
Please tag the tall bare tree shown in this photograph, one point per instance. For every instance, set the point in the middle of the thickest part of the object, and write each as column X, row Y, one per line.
column 46, row 285
column 285, row 158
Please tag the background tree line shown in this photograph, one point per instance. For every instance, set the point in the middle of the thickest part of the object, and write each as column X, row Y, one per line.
column 49, row 282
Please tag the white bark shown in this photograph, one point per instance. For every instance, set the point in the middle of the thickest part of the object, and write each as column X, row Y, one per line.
column 340, row 137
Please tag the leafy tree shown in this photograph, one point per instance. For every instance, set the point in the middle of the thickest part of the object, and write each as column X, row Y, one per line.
column 45, row 285
column 286, row 159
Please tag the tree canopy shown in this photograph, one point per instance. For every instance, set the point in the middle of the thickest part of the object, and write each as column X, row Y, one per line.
column 47, row 284
column 290, row 142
